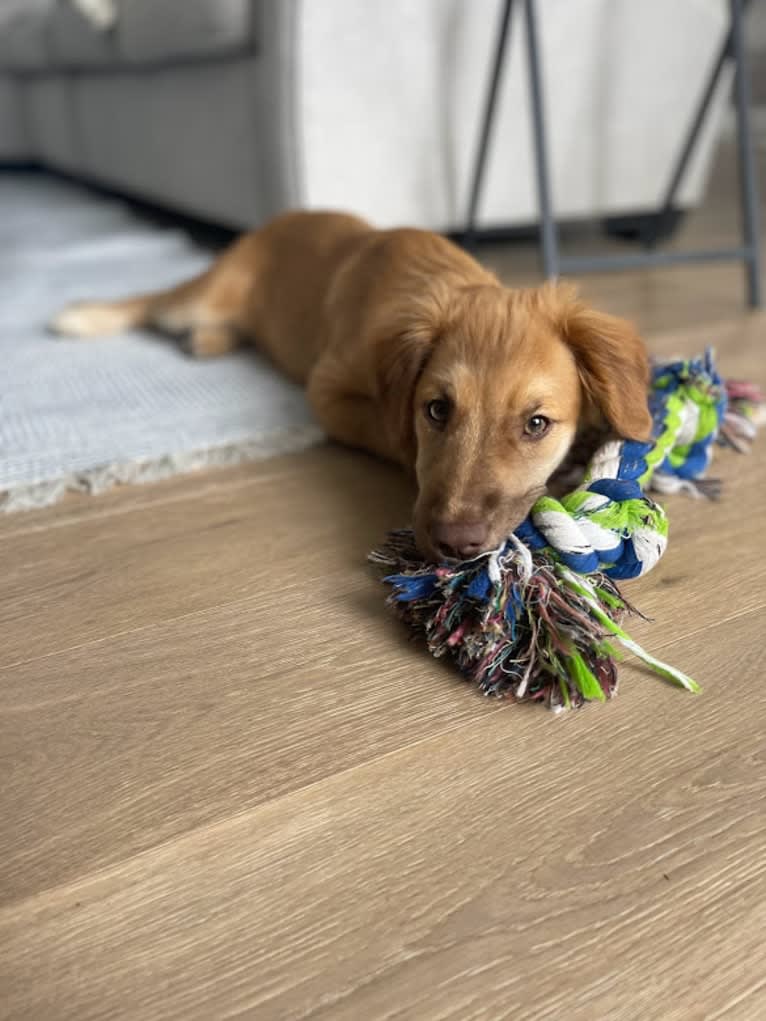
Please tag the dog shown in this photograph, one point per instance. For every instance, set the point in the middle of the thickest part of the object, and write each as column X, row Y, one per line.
column 412, row 350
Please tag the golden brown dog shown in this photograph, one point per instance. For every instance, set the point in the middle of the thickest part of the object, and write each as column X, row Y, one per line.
column 412, row 350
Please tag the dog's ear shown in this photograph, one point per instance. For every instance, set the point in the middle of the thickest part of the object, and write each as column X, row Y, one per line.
column 405, row 343
column 612, row 361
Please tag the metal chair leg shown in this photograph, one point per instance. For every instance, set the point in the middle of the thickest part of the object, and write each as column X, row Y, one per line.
column 469, row 237
column 548, row 228
column 748, row 186
column 663, row 217
column 553, row 262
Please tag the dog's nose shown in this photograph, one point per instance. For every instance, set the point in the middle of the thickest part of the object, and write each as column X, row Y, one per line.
column 460, row 539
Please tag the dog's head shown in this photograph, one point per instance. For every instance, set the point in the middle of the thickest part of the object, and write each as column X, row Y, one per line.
column 487, row 388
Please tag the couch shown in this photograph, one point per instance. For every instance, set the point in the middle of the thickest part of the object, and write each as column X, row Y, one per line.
column 233, row 110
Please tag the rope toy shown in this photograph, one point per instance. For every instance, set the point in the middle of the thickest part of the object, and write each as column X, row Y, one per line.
column 539, row 618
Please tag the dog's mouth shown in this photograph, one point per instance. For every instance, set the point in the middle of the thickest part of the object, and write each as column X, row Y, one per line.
column 460, row 541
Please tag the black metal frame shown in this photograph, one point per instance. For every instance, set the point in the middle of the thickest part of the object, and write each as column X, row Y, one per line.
column 553, row 262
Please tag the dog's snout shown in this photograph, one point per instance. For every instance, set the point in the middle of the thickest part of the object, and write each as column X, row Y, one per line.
column 460, row 539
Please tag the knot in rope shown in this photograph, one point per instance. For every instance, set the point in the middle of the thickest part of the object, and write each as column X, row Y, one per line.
column 608, row 523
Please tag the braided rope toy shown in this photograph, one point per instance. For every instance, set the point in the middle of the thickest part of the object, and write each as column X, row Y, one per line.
column 539, row 618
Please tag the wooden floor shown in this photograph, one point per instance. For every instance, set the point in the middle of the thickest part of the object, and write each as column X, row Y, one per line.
column 230, row 787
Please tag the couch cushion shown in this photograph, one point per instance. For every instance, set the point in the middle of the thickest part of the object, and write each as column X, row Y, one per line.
column 151, row 31
column 23, row 34
column 40, row 35
column 77, row 41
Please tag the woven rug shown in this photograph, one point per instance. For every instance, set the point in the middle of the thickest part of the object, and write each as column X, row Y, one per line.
column 88, row 414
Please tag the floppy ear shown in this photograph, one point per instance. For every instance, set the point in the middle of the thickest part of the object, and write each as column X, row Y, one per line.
column 406, row 341
column 613, row 364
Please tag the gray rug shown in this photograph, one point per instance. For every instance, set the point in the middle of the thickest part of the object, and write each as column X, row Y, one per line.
column 88, row 414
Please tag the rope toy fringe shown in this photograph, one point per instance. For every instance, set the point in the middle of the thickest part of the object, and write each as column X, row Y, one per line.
column 539, row 618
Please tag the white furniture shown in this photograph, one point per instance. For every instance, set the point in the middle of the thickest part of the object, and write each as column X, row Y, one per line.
column 233, row 110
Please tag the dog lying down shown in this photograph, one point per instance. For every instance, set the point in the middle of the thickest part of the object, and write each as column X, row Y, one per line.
column 412, row 350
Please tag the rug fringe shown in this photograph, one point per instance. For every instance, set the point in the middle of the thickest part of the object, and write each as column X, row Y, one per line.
column 34, row 495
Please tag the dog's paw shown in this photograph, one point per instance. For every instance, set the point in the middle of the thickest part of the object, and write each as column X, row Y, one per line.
column 87, row 319
column 209, row 341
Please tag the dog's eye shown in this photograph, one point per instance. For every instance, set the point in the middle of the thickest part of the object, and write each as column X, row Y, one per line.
column 537, row 426
column 438, row 411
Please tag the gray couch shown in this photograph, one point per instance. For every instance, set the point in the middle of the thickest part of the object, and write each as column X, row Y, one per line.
column 233, row 110
column 186, row 103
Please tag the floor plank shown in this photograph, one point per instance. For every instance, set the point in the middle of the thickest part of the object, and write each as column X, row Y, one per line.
column 123, row 741
column 587, row 866
column 192, row 689
column 109, row 573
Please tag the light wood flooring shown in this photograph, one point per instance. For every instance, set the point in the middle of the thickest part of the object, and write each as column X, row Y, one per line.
column 229, row 786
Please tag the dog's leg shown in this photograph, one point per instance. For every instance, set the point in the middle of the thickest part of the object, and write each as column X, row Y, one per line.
column 205, row 308
column 350, row 418
column 174, row 311
column 87, row 319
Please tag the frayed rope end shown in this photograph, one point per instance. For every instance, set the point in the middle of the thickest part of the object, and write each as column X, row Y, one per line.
column 517, row 624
